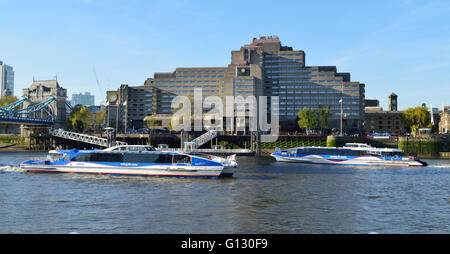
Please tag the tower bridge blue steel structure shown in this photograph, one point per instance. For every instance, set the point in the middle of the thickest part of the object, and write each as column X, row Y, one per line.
column 38, row 114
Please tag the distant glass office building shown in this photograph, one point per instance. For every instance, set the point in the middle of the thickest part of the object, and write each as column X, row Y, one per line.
column 262, row 68
column 266, row 67
column 6, row 79
column 85, row 99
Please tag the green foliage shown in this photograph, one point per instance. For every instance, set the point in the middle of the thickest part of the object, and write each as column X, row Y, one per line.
column 75, row 109
column 289, row 142
column 310, row 119
column 100, row 117
column 7, row 140
column 307, row 119
column 324, row 117
column 79, row 118
column 78, row 125
column 417, row 117
column 6, row 100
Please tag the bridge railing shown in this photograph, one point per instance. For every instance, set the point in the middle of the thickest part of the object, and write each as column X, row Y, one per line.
column 83, row 138
column 14, row 113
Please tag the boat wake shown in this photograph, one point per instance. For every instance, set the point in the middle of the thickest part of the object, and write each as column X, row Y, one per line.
column 9, row 168
column 439, row 166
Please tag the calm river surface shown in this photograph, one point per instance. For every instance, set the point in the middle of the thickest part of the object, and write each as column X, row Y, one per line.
column 264, row 197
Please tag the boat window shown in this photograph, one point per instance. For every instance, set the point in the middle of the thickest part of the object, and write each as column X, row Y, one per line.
column 317, row 151
column 106, row 157
column 332, row 152
column 99, row 157
column 164, row 158
column 139, row 158
column 354, row 153
column 56, row 157
column 82, row 157
column 324, row 151
column 181, row 159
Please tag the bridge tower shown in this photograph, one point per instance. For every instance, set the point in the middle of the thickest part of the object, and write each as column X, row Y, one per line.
column 42, row 90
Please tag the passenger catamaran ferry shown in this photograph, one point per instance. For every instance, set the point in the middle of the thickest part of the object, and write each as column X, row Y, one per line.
column 128, row 161
column 351, row 154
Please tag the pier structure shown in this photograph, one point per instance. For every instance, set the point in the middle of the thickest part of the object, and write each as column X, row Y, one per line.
column 205, row 143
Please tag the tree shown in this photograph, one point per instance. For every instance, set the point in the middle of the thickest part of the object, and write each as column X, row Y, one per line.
column 80, row 118
column 310, row 119
column 100, row 117
column 6, row 100
column 75, row 109
column 415, row 118
column 78, row 126
column 324, row 117
column 307, row 119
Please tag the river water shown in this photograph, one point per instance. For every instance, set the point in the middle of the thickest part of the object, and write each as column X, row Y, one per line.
column 264, row 197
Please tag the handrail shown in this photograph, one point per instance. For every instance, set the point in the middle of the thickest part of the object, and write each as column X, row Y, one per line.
column 203, row 139
column 84, row 138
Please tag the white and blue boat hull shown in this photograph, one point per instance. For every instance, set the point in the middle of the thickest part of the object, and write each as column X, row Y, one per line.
column 79, row 162
column 366, row 160
column 92, row 168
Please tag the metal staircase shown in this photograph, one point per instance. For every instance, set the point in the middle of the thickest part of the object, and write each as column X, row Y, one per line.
column 203, row 139
column 83, row 138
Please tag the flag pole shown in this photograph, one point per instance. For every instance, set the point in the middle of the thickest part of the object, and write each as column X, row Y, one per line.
column 342, row 112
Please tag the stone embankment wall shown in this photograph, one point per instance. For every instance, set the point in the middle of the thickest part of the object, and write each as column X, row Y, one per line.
column 431, row 146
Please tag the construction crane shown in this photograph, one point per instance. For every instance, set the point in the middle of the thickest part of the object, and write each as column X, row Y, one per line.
column 98, row 83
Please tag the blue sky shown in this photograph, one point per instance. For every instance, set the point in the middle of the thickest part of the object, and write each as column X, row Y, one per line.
column 398, row 46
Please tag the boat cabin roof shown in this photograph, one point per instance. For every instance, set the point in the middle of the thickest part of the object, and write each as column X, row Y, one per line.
column 131, row 148
column 352, row 146
column 357, row 145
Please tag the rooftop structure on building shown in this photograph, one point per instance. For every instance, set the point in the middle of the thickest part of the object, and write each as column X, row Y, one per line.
column 42, row 90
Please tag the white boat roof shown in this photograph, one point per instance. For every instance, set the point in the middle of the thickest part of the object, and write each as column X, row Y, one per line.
column 355, row 146
column 362, row 146
column 127, row 146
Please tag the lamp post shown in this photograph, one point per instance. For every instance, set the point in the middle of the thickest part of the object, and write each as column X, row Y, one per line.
column 117, row 116
column 342, row 107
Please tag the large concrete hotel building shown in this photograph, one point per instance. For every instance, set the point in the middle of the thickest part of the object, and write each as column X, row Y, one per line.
column 262, row 68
